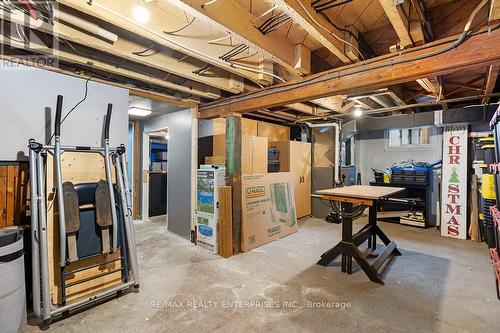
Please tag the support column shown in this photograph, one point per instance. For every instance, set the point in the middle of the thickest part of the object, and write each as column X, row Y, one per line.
column 233, row 173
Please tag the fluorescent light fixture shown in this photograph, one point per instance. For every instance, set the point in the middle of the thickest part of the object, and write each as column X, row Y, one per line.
column 135, row 111
column 358, row 112
column 141, row 14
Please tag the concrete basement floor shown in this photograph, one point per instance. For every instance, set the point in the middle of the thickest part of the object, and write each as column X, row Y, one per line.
column 437, row 285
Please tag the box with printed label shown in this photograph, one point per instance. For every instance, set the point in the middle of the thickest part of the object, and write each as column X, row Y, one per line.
column 268, row 208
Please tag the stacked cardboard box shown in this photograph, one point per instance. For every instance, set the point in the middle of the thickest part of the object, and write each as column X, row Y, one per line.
column 268, row 208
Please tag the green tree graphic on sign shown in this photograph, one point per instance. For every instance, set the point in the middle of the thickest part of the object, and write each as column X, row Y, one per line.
column 454, row 176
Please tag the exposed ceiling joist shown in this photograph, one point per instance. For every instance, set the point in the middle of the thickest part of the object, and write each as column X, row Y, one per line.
column 348, row 107
column 431, row 85
column 124, row 48
column 162, row 19
column 185, row 102
column 319, row 28
column 303, row 108
column 494, row 11
column 491, row 79
column 197, row 89
column 402, row 68
column 239, row 21
column 381, row 101
column 409, row 32
column 332, row 103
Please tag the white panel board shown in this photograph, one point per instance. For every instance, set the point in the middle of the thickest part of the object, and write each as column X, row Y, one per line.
column 454, row 182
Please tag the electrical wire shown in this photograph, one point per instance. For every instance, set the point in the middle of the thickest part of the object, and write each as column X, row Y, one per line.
column 343, row 72
column 177, row 44
column 77, row 104
column 208, row 3
column 329, row 4
column 142, row 53
column 180, row 29
column 328, row 30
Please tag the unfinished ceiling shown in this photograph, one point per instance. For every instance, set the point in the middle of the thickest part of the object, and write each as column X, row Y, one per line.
column 197, row 51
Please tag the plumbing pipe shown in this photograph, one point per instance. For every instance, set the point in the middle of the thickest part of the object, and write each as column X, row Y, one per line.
column 85, row 25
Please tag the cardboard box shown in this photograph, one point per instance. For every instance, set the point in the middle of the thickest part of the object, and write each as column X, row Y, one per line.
column 268, row 208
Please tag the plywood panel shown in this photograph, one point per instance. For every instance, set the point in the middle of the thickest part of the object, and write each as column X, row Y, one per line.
column 248, row 127
column 11, row 185
column 219, row 126
column 13, row 193
column 219, row 145
column 3, row 200
column 215, row 159
column 253, row 154
column 77, row 168
column 273, row 132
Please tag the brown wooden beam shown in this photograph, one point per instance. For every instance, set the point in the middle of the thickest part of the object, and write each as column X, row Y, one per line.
column 491, row 79
column 477, row 51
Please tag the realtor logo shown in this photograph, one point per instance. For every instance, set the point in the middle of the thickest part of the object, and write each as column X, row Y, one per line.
column 27, row 37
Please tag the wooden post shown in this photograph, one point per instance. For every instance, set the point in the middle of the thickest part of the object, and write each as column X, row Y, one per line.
column 225, row 221
column 233, row 173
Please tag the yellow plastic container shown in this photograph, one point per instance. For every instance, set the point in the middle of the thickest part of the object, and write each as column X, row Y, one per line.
column 488, row 189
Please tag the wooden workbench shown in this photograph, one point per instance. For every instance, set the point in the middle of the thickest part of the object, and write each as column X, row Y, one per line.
column 368, row 196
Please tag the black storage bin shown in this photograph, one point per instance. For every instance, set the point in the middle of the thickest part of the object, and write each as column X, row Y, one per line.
column 273, row 154
column 273, row 166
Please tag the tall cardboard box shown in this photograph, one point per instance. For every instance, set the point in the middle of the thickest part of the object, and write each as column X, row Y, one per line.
column 268, row 208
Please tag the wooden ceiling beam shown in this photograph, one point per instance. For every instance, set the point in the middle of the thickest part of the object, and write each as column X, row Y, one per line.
column 196, row 90
column 320, row 29
column 303, row 108
column 494, row 11
column 368, row 77
column 185, row 102
column 332, row 103
column 409, row 33
column 232, row 16
column 123, row 48
column 431, row 85
column 491, row 79
column 166, row 17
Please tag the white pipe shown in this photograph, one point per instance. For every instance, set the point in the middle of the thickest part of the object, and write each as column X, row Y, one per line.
column 85, row 25
column 337, row 144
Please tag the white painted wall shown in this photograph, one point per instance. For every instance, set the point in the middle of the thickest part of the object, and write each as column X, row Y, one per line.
column 370, row 152
column 27, row 110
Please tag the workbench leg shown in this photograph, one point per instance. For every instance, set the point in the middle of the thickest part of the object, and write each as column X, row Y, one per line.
column 372, row 220
column 347, row 232
column 385, row 239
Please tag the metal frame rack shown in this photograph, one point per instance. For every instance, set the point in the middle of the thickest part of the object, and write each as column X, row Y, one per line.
column 42, row 306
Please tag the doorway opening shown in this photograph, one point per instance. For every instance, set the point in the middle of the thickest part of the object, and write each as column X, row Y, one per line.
column 158, row 173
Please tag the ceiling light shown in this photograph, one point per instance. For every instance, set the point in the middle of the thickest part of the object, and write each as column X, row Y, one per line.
column 134, row 111
column 141, row 14
column 358, row 112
